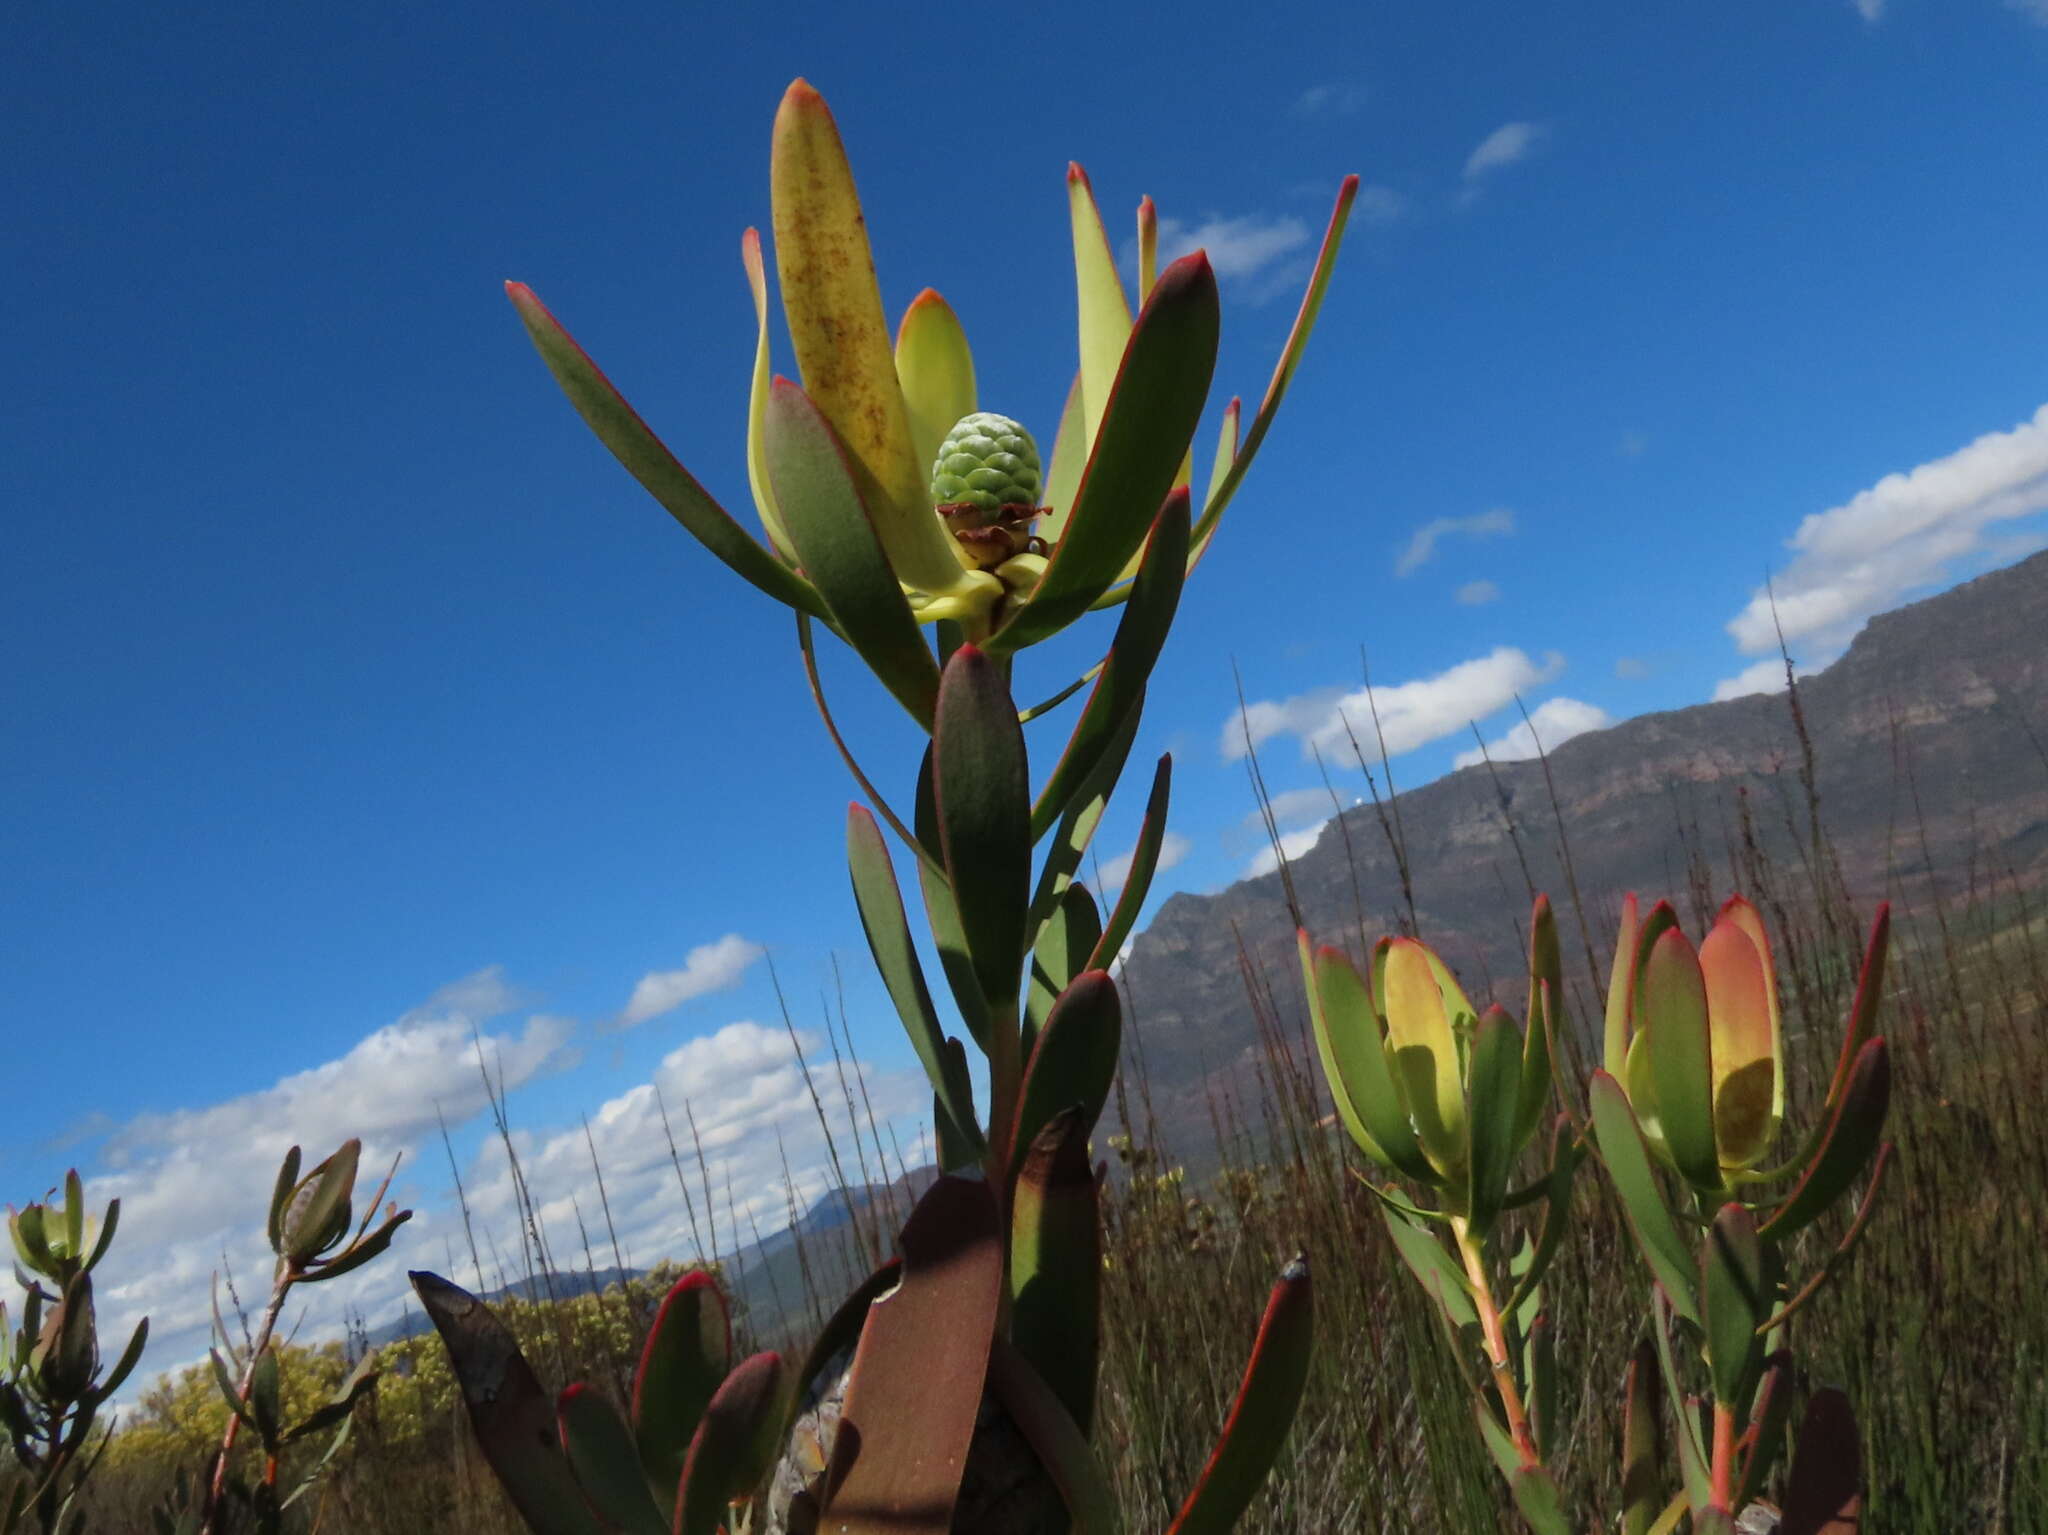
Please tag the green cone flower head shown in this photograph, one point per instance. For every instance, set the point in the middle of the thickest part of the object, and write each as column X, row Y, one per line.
column 986, row 485
column 988, row 460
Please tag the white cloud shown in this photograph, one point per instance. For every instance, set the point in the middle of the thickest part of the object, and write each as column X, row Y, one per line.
column 1497, row 522
column 1475, row 594
column 1505, row 146
column 1291, row 805
column 744, row 1086
column 709, row 967
column 1173, row 847
column 1411, row 714
column 1292, row 843
column 1871, row 11
column 1238, row 248
column 1556, row 720
column 1631, row 668
column 192, row 1183
column 2033, row 10
column 1902, row 534
column 1765, row 676
column 1377, row 204
column 1329, row 101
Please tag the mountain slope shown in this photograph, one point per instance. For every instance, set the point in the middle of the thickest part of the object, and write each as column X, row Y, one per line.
column 1930, row 742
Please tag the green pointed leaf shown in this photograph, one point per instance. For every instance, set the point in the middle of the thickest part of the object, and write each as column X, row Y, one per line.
column 959, row 1147
column 1069, row 844
column 917, row 1375
column 1434, row 1268
column 125, row 1365
column 362, row 1251
column 834, row 307
column 1621, row 987
column 649, row 461
column 1539, row 1502
column 1062, row 1449
column 833, row 528
column 1061, row 952
column 757, row 403
column 1539, row 1368
column 942, row 912
column 1496, row 1082
column 512, row 1416
column 1069, row 458
column 1144, row 861
column 1628, row 1163
column 1056, row 1263
column 1671, row 1011
column 936, row 370
column 1642, row 1481
column 74, row 1214
column 1355, row 1064
column 982, row 793
column 1152, row 414
column 1074, row 1060
column 30, row 1244
column 1119, row 691
column 1546, row 999
column 875, row 892
column 229, row 1391
column 1556, row 1185
column 1500, row 1444
column 1735, row 1299
column 1264, row 1410
column 686, row 1355
column 1103, row 309
column 607, row 1464
column 1283, row 371
column 108, row 1222
column 1852, row 1136
column 1419, row 1001
column 1768, row 1415
column 736, row 1442
column 281, row 1197
column 318, row 1211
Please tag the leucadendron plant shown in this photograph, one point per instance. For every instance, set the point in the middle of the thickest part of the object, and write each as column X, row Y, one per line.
column 315, row 1235
column 931, row 536
column 51, row 1382
column 1689, row 1104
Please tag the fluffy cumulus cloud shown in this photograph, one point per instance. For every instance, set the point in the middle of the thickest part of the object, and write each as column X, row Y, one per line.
column 1411, row 714
column 1554, row 721
column 1765, row 676
column 1173, row 847
column 1255, row 249
column 741, row 1095
column 1507, row 145
column 1292, row 843
column 1422, row 543
column 1907, row 532
column 186, row 1180
column 707, row 968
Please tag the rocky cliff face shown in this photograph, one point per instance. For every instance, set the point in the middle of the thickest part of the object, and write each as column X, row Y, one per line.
column 1930, row 747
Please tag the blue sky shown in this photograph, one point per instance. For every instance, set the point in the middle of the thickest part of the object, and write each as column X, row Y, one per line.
column 355, row 699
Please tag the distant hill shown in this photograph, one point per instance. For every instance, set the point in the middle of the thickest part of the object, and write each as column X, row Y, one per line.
column 1930, row 740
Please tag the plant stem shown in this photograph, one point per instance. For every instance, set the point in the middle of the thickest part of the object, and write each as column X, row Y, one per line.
column 1723, row 1494
column 1496, row 1342
column 286, row 1274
